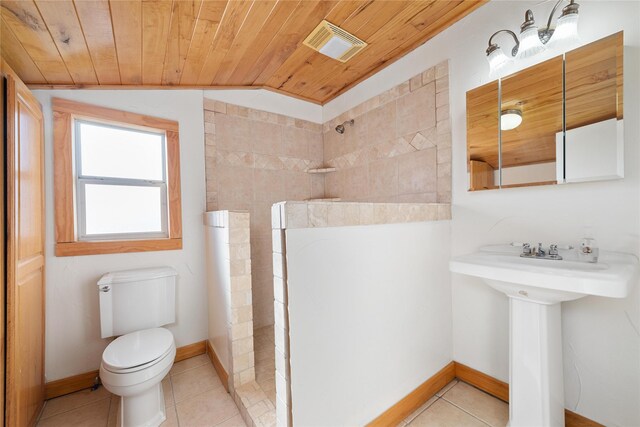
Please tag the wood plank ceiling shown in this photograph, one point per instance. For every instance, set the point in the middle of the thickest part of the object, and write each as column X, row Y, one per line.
column 217, row 44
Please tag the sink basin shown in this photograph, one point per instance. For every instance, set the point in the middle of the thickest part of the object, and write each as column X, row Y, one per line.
column 550, row 281
column 535, row 288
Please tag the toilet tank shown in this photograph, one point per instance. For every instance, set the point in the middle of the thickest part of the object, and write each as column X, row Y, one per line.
column 133, row 300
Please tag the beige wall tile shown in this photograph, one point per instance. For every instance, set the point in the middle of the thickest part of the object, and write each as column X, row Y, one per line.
column 383, row 178
column 297, row 185
column 295, row 142
column 417, row 172
column 416, row 111
column 266, row 138
column 268, row 185
column 380, row 124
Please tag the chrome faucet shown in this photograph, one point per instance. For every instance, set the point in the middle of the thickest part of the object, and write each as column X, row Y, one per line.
column 539, row 252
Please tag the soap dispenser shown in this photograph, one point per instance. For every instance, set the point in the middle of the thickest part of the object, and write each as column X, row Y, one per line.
column 588, row 249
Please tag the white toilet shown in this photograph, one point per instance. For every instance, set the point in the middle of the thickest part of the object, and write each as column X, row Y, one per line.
column 133, row 305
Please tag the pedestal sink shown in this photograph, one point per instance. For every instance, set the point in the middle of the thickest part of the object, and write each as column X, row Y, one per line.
column 535, row 288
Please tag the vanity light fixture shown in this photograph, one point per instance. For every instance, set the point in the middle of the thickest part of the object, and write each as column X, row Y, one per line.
column 510, row 119
column 533, row 40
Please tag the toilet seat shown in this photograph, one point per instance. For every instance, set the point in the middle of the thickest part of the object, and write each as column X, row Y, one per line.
column 137, row 350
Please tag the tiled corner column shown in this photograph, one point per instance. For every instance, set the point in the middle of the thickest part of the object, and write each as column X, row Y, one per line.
column 281, row 319
column 240, row 315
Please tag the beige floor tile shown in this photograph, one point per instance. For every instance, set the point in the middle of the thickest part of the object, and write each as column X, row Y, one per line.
column 167, row 390
column 114, row 411
column 236, row 421
column 206, row 409
column 492, row 411
column 91, row 415
column 446, row 388
column 73, row 401
column 420, row 410
column 444, row 414
column 195, row 381
column 267, row 420
column 185, row 365
column 172, row 417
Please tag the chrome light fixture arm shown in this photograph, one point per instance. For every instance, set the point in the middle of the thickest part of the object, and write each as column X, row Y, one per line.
column 494, row 46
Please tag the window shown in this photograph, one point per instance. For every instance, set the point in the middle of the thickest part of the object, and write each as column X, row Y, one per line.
column 117, row 183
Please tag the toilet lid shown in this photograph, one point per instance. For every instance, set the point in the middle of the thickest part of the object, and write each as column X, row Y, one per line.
column 137, row 348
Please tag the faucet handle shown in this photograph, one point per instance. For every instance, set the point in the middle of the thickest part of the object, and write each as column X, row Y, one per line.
column 553, row 250
column 526, row 249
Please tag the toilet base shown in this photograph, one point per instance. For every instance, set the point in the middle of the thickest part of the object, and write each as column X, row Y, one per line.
column 146, row 409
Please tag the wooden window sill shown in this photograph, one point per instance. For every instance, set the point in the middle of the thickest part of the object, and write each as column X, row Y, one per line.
column 116, row 246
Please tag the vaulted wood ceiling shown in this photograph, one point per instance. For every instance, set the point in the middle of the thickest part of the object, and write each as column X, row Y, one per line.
column 236, row 43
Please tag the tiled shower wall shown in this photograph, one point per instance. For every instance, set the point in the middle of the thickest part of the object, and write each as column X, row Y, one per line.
column 254, row 159
column 399, row 147
column 398, row 150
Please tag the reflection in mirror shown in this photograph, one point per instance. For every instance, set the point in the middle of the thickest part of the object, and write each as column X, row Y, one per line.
column 594, row 113
column 531, row 116
column 482, row 137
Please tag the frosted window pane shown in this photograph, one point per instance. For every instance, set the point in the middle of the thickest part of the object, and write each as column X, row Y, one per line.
column 122, row 209
column 120, row 153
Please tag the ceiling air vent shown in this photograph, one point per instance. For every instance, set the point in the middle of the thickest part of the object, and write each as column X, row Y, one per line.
column 334, row 42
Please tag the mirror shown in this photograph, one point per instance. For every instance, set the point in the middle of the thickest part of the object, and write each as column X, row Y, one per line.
column 482, row 131
column 593, row 101
column 527, row 129
column 531, row 116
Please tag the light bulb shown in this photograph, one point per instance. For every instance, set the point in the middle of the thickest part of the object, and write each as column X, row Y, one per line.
column 510, row 119
column 530, row 43
column 566, row 31
column 497, row 59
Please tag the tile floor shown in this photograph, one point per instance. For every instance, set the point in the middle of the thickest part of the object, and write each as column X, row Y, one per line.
column 460, row 405
column 194, row 396
column 264, row 354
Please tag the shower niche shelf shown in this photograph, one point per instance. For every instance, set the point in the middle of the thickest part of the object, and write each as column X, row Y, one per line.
column 321, row 170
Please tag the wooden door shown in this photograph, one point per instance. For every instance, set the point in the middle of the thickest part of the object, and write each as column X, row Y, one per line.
column 2, row 246
column 25, row 255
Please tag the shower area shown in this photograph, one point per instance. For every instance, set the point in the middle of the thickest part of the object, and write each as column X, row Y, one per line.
column 392, row 149
column 253, row 160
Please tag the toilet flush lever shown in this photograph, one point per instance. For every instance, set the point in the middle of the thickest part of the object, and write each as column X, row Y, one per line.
column 105, row 288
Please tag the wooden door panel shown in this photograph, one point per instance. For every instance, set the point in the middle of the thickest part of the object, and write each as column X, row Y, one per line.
column 25, row 256
column 30, row 183
column 29, row 330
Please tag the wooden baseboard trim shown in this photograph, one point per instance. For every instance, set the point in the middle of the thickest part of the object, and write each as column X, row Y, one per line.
column 191, row 350
column 222, row 373
column 500, row 389
column 69, row 385
column 484, row 382
column 416, row 398
column 79, row 382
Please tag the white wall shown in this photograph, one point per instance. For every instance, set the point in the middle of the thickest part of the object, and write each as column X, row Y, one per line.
column 538, row 172
column 601, row 337
column 272, row 102
column 369, row 317
column 73, row 343
column 218, row 276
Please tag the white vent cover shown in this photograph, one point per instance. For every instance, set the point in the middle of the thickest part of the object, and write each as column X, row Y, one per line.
column 334, row 42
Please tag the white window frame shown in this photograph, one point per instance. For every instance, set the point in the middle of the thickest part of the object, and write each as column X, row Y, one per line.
column 82, row 180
